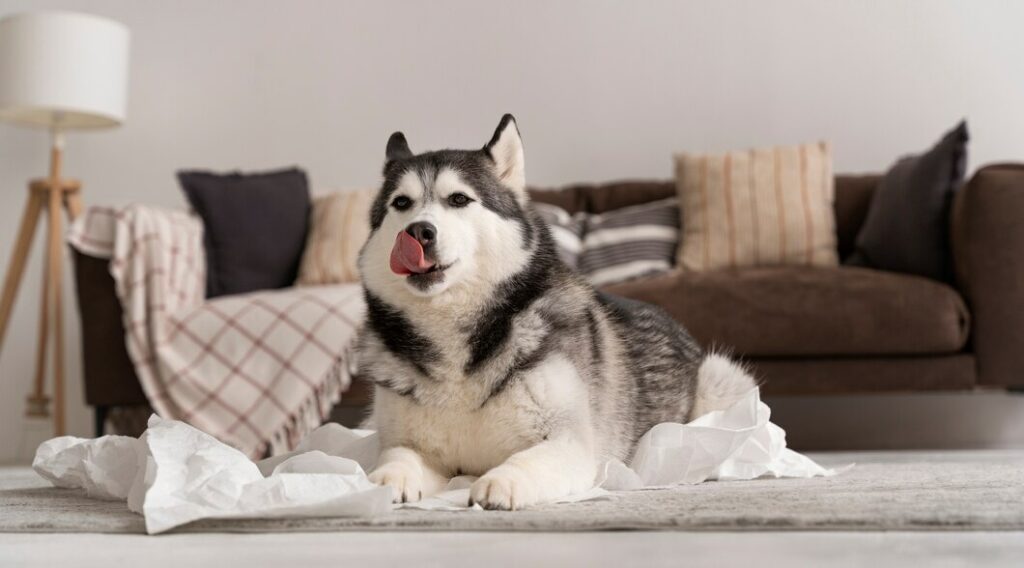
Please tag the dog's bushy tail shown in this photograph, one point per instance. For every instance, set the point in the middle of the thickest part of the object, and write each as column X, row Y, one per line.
column 720, row 383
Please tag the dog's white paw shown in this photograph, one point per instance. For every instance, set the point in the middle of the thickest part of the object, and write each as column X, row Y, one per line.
column 504, row 488
column 405, row 481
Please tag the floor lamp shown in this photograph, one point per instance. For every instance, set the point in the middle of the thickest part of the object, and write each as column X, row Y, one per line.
column 60, row 71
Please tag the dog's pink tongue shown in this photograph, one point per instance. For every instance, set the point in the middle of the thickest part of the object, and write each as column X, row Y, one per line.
column 407, row 256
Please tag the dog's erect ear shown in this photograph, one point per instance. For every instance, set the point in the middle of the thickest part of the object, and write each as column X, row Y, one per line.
column 506, row 150
column 397, row 148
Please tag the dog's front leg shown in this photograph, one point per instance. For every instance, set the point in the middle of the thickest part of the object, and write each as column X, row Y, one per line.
column 554, row 468
column 408, row 475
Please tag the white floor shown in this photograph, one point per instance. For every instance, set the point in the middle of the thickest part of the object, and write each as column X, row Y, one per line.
column 534, row 550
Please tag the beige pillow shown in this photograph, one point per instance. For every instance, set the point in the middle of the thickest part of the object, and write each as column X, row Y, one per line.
column 339, row 225
column 763, row 207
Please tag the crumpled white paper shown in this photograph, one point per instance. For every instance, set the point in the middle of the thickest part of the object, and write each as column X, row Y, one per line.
column 174, row 474
column 733, row 444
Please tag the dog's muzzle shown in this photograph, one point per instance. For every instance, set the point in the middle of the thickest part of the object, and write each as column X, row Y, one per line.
column 408, row 256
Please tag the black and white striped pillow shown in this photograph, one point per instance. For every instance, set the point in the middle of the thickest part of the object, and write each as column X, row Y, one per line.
column 618, row 245
column 630, row 242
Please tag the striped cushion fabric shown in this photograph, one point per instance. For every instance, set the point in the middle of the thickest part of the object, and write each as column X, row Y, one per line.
column 618, row 245
column 339, row 225
column 770, row 206
column 630, row 242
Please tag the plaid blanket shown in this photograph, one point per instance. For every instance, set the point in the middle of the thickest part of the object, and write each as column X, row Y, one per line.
column 257, row 371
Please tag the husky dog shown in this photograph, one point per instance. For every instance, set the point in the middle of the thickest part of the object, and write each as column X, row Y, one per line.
column 492, row 358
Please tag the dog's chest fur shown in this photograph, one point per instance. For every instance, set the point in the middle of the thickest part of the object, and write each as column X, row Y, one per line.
column 451, row 413
column 464, row 437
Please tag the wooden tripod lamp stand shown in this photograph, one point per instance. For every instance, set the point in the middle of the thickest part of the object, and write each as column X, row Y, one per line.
column 61, row 71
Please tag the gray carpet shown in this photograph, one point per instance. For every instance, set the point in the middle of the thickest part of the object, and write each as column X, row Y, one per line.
column 973, row 490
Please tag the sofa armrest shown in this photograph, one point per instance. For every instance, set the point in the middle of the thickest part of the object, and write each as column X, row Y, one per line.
column 988, row 252
column 110, row 378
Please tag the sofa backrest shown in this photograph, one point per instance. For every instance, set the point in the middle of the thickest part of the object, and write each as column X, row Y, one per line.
column 853, row 195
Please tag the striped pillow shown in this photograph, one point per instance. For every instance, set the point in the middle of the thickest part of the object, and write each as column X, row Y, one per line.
column 770, row 206
column 618, row 245
column 630, row 242
column 339, row 225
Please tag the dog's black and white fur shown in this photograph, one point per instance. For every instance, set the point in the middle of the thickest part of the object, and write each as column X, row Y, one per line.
column 500, row 361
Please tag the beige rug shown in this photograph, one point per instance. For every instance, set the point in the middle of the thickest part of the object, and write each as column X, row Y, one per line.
column 971, row 490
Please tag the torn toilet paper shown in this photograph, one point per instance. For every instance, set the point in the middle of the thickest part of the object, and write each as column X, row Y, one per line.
column 174, row 474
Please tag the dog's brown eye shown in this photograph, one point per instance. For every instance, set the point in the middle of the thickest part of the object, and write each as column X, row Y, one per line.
column 458, row 200
column 401, row 203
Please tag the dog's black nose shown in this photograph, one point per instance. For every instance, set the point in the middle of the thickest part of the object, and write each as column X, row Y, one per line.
column 424, row 232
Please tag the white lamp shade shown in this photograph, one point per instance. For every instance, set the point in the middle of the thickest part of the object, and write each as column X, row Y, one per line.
column 63, row 69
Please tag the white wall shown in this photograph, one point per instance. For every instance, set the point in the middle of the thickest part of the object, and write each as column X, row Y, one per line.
column 602, row 90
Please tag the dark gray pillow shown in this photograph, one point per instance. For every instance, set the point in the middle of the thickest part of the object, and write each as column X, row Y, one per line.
column 907, row 225
column 254, row 227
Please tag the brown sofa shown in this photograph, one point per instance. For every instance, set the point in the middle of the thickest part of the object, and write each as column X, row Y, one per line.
column 804, row 330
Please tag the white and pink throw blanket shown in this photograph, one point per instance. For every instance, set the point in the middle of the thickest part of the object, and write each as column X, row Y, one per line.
column 257, row 371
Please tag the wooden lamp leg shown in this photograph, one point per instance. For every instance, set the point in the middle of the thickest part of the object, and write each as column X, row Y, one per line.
column 55, row 292
column 16, row 266
column 38, row 402
column 54, row 279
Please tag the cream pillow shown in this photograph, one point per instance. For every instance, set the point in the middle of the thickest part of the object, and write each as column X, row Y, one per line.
column 339, row 225
column 762, row 207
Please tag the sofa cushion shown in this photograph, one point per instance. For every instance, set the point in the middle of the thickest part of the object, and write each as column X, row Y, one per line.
column 631, row 242
column 786, row 312
column 907, row 224
column 768, row 206
column 619, row 245
column 338, row 226
column 254, row 227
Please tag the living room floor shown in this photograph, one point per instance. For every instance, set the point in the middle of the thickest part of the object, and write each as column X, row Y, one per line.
column 308, row 550
column 619, row 548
